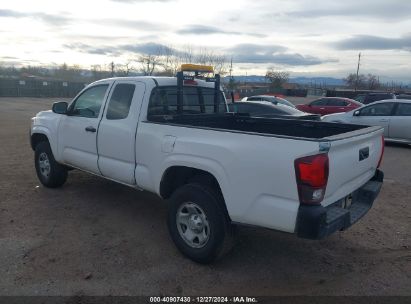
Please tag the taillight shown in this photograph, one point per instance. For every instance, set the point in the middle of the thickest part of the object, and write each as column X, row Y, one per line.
column 312, row 176
column 382, row 151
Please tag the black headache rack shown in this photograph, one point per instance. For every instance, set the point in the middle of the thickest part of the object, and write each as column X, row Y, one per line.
column 198, row 71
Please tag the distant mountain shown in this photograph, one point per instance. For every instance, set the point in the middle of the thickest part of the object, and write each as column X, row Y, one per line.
column 300, row 80
column 319, row 80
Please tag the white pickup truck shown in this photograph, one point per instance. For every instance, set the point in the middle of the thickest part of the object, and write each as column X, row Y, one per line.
column 174, row 137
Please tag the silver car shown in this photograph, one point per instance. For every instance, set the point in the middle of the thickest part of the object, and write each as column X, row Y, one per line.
column 273, row 99
column 392, row 114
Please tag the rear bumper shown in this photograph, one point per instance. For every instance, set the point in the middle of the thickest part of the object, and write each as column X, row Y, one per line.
column 317, row 222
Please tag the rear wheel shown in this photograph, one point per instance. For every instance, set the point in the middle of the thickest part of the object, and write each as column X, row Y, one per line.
column 198, row 223
column 50, row 173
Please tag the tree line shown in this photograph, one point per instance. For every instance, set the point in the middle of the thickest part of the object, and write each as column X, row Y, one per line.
column 161, row 61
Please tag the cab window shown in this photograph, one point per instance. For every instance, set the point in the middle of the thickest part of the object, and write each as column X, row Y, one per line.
column 88, row 104
column 120, row 101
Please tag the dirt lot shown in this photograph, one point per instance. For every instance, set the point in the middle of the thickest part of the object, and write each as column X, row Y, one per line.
column 96, row 237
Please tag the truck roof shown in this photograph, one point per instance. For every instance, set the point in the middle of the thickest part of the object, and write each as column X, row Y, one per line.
column 160, row 80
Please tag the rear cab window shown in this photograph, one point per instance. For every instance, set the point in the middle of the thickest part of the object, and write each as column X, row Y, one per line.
column 195, row 100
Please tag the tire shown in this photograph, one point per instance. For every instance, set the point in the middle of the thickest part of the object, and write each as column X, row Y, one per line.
column 198, row 223
column 50, row 173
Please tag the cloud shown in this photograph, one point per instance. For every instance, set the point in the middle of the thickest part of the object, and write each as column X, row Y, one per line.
column 58, row 20
column 272, row 54
column 141, row 48
column 55, row 20
column 147, row 48
column 394, row 10
column 136, row 1
column 134, row 24
column 241, row 53
column 369, row 42
column 247, row 48
column 89, row 49
column 8, row 57
column 198, row 29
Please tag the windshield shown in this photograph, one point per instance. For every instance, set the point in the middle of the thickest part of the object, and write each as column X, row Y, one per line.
column 359, row 98
column 196, row 100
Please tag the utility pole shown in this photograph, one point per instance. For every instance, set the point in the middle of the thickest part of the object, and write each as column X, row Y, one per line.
column 112, row 68
column 358, row 69
column 231, row 67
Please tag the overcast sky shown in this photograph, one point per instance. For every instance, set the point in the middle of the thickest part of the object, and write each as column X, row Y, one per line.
column 312, row 38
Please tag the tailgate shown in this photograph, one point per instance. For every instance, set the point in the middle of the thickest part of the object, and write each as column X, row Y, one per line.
column 352, row 163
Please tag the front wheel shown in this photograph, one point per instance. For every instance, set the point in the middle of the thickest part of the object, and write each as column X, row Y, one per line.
column 198, row 223
column 50, row 173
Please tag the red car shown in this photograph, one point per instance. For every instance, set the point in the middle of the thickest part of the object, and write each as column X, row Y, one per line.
column 329, row 105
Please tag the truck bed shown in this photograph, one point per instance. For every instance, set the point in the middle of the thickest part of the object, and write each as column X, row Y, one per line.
column 309, row 130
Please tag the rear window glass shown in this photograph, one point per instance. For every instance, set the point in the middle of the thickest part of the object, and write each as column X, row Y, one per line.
column 404, row 109
column 195, row 100
column 337, row 103
column 319, row 102
column 403, row 96
column 376, row 97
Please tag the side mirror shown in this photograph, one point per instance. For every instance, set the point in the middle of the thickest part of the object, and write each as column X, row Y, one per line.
column 356, row 113
column 60, row 107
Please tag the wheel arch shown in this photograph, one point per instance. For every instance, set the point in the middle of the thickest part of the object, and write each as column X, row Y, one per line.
column 176, row 176
column 40, row 133
column 37, row 138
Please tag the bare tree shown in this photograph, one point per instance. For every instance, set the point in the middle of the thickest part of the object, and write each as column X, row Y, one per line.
column 150, row 62
column 277, row 77
column 369, row 81
column 126, row 68
column 209, row 57
column 372, row 82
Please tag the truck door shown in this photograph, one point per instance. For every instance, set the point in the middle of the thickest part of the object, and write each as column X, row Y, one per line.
column 77, row 130
column 117, row 131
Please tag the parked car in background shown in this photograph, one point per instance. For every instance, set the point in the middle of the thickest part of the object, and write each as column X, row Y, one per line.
column 269, row 98
column 392, row 114
column 367, row 98
column 269, row 110
column 329, row 105
column 403, row 96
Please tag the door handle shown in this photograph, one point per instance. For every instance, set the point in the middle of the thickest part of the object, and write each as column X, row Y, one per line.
column 322, row 108
column 383, row 120
column 91, row 129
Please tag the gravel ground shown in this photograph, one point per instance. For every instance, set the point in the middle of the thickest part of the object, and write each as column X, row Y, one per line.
column 96, row 237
